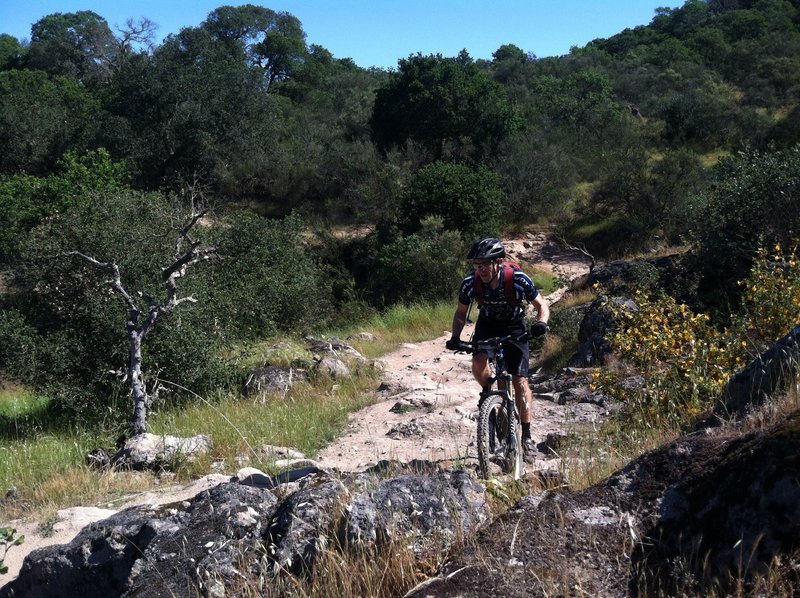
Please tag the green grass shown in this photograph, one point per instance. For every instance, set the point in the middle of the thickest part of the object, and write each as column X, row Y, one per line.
column 45, row 459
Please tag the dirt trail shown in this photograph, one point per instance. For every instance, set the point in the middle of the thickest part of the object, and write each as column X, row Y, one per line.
column 434, row 421
column 430, row 398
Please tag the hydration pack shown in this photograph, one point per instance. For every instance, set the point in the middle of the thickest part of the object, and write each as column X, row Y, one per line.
column 507, row 269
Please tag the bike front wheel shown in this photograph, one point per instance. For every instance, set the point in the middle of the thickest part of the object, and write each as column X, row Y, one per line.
column 499, row 436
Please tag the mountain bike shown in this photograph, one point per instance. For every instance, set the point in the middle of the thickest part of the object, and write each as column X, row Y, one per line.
column 499, row 425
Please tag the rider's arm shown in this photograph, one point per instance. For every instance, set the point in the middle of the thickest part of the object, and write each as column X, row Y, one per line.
column 459, row 319
column 543, row 310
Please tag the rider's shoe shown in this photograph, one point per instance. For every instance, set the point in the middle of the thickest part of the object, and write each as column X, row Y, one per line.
column 528, row 447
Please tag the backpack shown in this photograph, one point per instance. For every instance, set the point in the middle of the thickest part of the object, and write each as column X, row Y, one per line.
column 507, row 268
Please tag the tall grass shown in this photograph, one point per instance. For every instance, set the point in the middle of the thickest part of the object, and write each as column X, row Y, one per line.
column 43, row 460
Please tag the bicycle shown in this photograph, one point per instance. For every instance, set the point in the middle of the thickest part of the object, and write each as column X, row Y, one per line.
column 499, row 435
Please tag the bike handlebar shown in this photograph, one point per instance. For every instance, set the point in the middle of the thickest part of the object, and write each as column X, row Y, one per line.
column 490, row 343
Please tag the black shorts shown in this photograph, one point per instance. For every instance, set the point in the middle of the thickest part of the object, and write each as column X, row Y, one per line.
column 517, row 353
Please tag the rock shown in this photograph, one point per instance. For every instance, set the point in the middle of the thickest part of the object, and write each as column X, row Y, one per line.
column 270, row 379
column 732, row 498
column 333, row 367
column 363, row 336
column 150, row 552
column 429, row 511
column 298, row 531
column 772, row 370
column 597, row 323
column 226, row 534
column 334, row 346
column 153, row 451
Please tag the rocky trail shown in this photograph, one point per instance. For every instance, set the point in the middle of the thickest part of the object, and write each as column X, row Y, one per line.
column 426, row 411
column 429, row 398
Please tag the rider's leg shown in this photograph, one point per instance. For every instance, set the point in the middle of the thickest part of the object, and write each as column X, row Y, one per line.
column 480, row 368
column 523, row 394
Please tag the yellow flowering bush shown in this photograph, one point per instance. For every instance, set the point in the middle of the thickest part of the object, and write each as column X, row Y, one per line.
column 683, row 360
column 771, row 296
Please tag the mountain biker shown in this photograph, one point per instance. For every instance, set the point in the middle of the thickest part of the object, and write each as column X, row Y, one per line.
column 501, row 315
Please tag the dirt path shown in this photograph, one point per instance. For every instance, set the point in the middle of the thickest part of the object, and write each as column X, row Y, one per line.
column 430, row 398
column 427, row 412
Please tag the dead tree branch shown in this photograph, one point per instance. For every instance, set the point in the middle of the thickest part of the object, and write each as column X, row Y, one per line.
column 581, row 249
column 139, row 328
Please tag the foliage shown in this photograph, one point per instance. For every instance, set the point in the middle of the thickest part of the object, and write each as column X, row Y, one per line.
column 449, row 105
column 41, row 117
column 467, row 199
column 274, row 42
column 422, row 267
column 755, row 196
column 684, row 360
column 268, row 279
column 10, row 51
column 771, row 296
column 79, row 322
column 8, row 539
column 79, row 45
column 26, row 200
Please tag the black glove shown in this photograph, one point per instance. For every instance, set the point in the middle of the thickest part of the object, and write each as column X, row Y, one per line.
column 538, row 329
column 453, row 343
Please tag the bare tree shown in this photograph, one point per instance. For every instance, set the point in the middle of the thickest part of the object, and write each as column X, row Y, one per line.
column 144, row 311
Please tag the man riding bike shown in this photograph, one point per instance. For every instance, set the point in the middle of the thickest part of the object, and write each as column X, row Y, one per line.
column 504, row 295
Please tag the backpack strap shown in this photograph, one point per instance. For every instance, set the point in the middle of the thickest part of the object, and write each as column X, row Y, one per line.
column 508, row 283
column 507, row 270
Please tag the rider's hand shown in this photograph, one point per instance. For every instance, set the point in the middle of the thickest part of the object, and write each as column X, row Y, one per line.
column 538, row 329
column 453, row 343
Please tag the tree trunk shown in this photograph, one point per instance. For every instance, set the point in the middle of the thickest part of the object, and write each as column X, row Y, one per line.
column 138, row 389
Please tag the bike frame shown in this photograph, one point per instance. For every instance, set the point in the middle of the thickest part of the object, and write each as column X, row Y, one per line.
column 495, row 346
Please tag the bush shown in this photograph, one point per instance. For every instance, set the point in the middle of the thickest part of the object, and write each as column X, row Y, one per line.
column 771, row 296
column 467, row 200
column 268, row 279
column 427, row 266
column 683, row 359
column 26, row 200
column 756, row 196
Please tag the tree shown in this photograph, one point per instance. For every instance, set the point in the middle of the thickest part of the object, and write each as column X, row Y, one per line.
column 11, row 52
column 78, row 45
column 145, row 311
column 272, row 41
column 449, row 105
column 42, row 117
column 192, row 109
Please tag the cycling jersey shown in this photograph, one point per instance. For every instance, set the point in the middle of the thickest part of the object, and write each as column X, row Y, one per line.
column 495, row 305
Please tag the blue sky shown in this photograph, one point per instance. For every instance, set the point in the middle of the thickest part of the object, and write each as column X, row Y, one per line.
column 379, row 32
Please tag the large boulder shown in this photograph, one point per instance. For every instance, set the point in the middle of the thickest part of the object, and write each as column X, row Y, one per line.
column 702, row 512
column 770, row 372
column 248, row 534
column 159, row 451
column 595, row 328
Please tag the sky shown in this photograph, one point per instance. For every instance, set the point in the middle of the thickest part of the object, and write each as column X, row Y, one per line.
column 379, row 32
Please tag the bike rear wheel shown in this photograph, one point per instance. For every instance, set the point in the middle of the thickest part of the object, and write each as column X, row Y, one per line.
column 493, row 436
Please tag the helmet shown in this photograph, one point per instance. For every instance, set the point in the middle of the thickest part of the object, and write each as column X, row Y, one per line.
column 487, row 249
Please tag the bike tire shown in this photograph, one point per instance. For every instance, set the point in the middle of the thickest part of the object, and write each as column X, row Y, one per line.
column 493, row 431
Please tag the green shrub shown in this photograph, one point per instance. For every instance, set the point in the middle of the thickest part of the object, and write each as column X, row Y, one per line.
column 756, row 196
column 467, row 199
column 422, row 267
column 268, row 278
